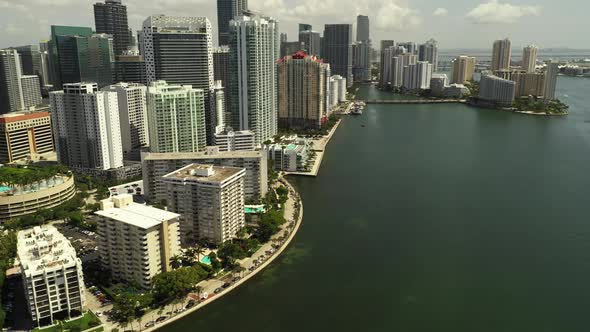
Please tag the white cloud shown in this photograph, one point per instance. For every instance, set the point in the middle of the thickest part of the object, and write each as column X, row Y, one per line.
column 384, row 14
column 496, row 12
column 440, row 12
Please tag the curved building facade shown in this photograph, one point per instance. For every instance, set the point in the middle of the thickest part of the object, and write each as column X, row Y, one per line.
column 49, row 193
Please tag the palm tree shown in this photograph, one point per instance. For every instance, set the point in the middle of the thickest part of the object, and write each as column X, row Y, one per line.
column 176, row 261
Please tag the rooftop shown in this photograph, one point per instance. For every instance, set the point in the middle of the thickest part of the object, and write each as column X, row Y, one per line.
column 43, row 247
column 202, row 155
column 204, row 173
column 122, row 208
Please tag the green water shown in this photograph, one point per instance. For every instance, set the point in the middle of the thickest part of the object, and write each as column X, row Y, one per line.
column 434, row 218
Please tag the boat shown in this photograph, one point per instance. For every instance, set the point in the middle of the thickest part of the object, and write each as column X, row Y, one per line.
column 356, row 111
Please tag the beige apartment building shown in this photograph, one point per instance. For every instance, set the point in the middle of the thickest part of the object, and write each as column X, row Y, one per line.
column 136, row 241
column 25, row 135
column 210, row 200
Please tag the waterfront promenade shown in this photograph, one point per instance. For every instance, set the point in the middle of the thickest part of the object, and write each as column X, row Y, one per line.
column 284, row 237
column 415, row 101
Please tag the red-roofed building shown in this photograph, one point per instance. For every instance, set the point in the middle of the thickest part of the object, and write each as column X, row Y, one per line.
column 303, row 91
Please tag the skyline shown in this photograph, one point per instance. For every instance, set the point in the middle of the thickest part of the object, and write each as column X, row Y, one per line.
column 523, row 21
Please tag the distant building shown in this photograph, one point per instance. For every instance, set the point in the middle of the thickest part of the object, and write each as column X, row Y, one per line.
column 303, row 85
column 252, row 86
column 361, row 66
column 136, row 242
column 130, row 68
column 226, row 11
column 31, row 88
column 363, row 28
column 305, row 27
column 229, row 140
column 221, row 65
column 410, row 47
column 156, row 165
column 111, row 18
column 132, row 118
column 417, row 76
column 176, row 118
column 11, row 90
column 210, row 200
column 33, row 62
column 438, row 82
column 456, row 91
column 386, row 66
column 80, row 55
column 462, row 69
column 311, row 42
column 337, row 50
column 86, row 127
column 501, row 54
column 340, row 83
column 288, row 47
column 529, row 58
column 551, row 71
column 24, row 135
column 497, row 90
column 429, row 52
column 386, row 43
column 52, row 275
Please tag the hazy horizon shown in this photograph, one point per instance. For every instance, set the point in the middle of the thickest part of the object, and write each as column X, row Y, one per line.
column 544, row 23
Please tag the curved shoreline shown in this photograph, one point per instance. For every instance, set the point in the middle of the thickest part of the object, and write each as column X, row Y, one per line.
column 266, row 263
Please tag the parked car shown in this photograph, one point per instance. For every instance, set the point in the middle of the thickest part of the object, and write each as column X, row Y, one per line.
column 150, row 324
column 218, row 290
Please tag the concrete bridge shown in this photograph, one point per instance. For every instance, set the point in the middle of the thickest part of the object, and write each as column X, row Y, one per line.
column 415, row 101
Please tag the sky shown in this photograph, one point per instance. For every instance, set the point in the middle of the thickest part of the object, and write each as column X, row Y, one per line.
column 453, row 23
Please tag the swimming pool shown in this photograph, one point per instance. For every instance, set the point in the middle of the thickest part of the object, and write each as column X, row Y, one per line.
column 206, row 260
column 4, row 189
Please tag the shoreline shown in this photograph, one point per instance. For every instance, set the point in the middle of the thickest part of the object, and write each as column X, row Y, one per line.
column 214, row 297
column 320, row 150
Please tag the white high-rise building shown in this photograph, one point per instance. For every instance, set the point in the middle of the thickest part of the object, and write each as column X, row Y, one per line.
column 11, row 90
column 529, row 58
column 86, row 127
column 551, row 72
column 176, row 118
column 501, row 54
column 210, row 200
column 417, row 76
column 133, row 117
column 398, row 63
column 179, row 50
column 254, row 50
column 51, row 274
column 497, row 90
column 136, row 241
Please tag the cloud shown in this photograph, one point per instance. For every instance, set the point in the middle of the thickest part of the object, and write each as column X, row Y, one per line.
column 384, row 14
column 496, row 12
column 440, row 12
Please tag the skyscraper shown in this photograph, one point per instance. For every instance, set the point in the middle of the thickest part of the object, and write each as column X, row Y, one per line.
column 462, row 69
column 362, row 28
column 31, row 91
column 227, row 10
column 30, row 58
column 179, row 50
column 501, row 54
column 551, row 72
column 111, row 18
column 254, row 49
column 311, row 42
column 78, row 55
column 497, row 90
column 398, row 65
column 337, row 47
column 176, row 118
column 387, row 43
column 529, row 58
column 132, row 117
column 221, row 72
column 86, row 127
column 303, row 88
column 429, row 52
column 11, row 90
column 291, row 47
column 361, row 60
